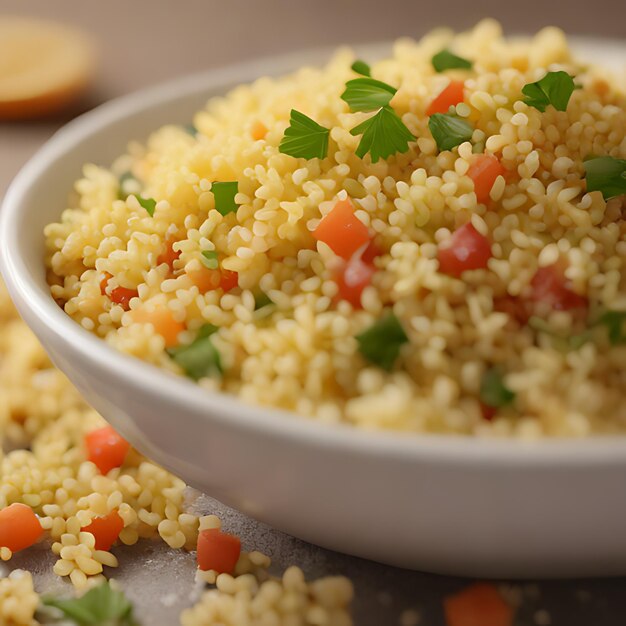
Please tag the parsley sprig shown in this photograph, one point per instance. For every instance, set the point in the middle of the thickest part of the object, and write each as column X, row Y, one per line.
column 209, row 259
column 449, row 130
column 606, row 174
column 367, row 94
column 149, row 204
column 224, row 194
column 361, row 67
column 199, row 359
column 554, row 88
column 380, row 343
column 304, row 138
column 446, row 60
column 493, row 391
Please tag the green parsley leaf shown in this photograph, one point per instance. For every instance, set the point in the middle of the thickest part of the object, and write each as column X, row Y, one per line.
column 384, row 134
column 493, row 391
column 200, row 358
column 445, row 60
column 554, row 88
column 191, row 129
column 380, row 344
column 449, row 130
column 149, row 204
column 606, row 174
column 209, row 259
column 304, row 138
column 361, row 67
column 261, row 300
column 102, row 605
column 224, row 194
column 128, row 184
column 615, row 322
column 367, row 94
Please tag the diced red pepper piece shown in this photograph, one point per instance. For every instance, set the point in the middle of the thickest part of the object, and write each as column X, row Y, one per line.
column 218, row 551
column 19, row 527
column 123, row 296
column 105, row 529
column 466, row 249
column 342, row 231
column 169, row 255
column 228, row 280
column 484, row 171
column 549, row 285
column 106, row 277
column 451, row 95
column 352, row 278
column 371, row 252
column 106, row 449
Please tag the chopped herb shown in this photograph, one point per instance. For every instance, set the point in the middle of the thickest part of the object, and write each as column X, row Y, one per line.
column 191, row 129
column 367, row 94
column 561, row 342
column 380, row 344
column 224, row 194
column 449, row 130
column 384, row 134
column 128, row 184
column 261, row 300
column 361, row 67
column 554, row 88
column 200, row 358
column 209, row 259
column 149, row 204
column 445, row 60
column 304, row 138
column 493, row 391
column 606, row 174
column 615, row 323
column 101, row 605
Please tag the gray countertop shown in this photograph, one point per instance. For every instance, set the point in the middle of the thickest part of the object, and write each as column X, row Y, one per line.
column 146, row 41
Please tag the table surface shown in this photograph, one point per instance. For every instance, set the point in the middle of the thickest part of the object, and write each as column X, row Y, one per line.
column 143, row 42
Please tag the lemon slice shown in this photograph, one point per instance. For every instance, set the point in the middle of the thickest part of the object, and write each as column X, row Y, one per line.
column 43, row 66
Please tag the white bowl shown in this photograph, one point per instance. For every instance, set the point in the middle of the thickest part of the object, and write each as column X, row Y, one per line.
column 440, row 503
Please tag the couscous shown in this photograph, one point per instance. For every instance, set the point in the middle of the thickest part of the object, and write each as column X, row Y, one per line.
column 435, row 243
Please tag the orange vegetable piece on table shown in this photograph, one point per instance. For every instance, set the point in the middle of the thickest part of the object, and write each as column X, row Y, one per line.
column 479, row 604
column 106, row 449
column 105, row 529
column 484, row 171
column 163, row 321
column 342, row 231
column 218, row 551
column 451, row 95
column 19, row 527
column 466, row 249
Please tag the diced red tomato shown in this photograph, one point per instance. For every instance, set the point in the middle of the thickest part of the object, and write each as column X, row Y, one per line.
column 228, row 280
column 123, row 296
column 19, row 527
column 451, row 95
column 489, row 412
column 352, row 278
column 218, row 551
column 549, row 285
column 484, row 171
column 371, row 252
column 206, row 279
column 479, row 604
column 106, row 449
column 466, row 249
column 342, row 231
column 169, row 255
column 105, row 529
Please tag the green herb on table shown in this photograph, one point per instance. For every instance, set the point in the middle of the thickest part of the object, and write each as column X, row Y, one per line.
column 380, row 344
column 361, row 67
column 224, row 194
column 101, row 606
column 384, row 134
column 367, row 94
column 446, row 60
column 606, row 174
column 493, row 392
column 554, row 88
column 199, row 359
column 449, row 130
column 209, row 259
column 149, row 204
column 304, row 138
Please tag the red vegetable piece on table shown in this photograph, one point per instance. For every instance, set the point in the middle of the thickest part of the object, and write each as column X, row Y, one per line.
column 466, row 249
column 484, row 171
column 342, row 231
column 105, row 529
column 479, row 604
column 19, row 527
column 106, row 449
column 352, row 278
column 549, row 285
column 451, row 95
column 218, row 551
